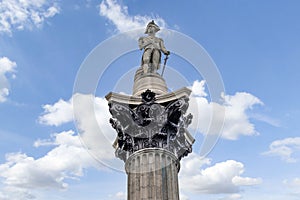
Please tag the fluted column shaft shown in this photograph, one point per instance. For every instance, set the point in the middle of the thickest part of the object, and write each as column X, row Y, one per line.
column 152, row 175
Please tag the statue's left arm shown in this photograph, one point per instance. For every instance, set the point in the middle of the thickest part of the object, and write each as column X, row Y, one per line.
column 163, row 48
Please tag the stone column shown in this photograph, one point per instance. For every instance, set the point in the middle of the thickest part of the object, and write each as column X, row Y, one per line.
column 152, row 137
column 152, row 175
column 151, row 126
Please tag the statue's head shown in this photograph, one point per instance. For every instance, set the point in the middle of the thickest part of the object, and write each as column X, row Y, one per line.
column 152, row 27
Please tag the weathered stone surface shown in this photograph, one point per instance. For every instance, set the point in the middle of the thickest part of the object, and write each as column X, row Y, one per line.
column 152, row 174
column 151, row 81
column 153, row 46
column 136, row 100
column 151, row 125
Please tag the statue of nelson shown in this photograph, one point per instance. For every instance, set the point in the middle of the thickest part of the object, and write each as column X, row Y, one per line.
column 153, row 46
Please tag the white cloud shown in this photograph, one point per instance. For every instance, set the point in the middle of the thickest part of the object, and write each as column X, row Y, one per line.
column 231, row 114
column 118, row 196
column 119, row 16
column 14, row 193
column 284, row 149
column 232, row 197
column 223, row 177
column 63, row 138
column 92, row 120
column 92, row 116
column 266, row 119
column 51, row 11
column 183, row 196
column 198, row 88
column 66, row 160
column 6, row 66
column 4, row 92
column 59, row 113
column 245, row 181
column 16, row 14
column 191, row 165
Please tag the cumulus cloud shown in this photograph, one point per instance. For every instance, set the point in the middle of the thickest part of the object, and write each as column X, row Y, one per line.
column 69, row 157
column 66, row 160
column 15, row 193
column 92, row 121
column 223, row 177
column 285, row 149
column 25, row 14
column 59, row 113
column 6, row 67
column 232, row 114
column 198, row 88
column 92, row 116
column 118, row 15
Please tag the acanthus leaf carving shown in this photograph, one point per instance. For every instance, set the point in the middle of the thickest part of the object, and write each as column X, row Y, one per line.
column 151, row 124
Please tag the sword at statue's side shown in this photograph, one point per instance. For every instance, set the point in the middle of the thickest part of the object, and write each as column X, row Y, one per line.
column 165, row 62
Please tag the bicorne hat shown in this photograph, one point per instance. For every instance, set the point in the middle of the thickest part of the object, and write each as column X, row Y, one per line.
column 153, row 25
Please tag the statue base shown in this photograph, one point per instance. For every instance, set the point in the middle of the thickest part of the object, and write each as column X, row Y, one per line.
column 146, row 81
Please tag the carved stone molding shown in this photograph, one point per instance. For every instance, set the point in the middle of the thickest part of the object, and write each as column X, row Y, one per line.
column 151, row 125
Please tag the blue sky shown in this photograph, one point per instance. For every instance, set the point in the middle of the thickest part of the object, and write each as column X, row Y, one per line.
column 254, row 44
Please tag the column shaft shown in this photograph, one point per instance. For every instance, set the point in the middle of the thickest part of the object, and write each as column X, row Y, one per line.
column 152, row 175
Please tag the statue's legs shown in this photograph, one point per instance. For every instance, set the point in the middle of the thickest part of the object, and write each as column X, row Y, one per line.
column 151, row 57
column 156, row 59
column 145, row 68
column 146, row 60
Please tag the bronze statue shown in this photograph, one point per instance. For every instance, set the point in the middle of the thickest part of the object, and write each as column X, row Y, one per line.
column 153, row 46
